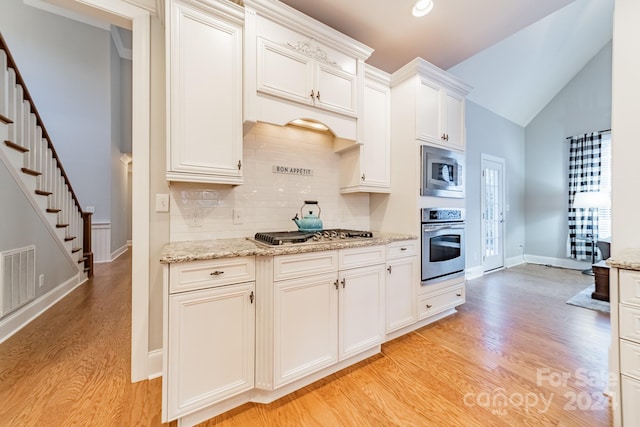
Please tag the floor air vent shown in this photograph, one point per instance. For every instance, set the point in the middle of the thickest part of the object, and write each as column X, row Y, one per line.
column 18, row 278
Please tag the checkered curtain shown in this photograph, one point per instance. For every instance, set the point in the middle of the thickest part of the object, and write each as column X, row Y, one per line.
column 584, row 175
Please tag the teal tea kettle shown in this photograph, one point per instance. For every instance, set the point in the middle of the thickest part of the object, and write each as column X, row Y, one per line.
column 309, row 223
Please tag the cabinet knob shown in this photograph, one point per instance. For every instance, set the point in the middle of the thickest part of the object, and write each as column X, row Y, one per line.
column 443, row 137
column 458, row 294
column 239, row 164
column 389, row 269
column 216, row 273
column 336, row 283
column 446, row 137
column 313, row 94
column 429, row 306
column 403, row 249
column 344, row 283
column 318, row 95
column 363, row 177
column 251, row 297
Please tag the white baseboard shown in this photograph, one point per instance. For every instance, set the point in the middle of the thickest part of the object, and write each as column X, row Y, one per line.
column 115, row 254
column 558, row 262
column 155, row 364
column 473, row 272
column 514, row 260
column 129, row 242
column 21, row 318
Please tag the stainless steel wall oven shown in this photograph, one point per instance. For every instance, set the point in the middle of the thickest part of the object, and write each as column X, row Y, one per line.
column 442, row 244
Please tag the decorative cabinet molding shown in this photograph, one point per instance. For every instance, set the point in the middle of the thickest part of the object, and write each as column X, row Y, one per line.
column 296, row 67
column 204, row 91
column 367, row 167
column 437, row 100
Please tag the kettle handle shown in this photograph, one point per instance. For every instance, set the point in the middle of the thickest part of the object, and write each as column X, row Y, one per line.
column 311, row 202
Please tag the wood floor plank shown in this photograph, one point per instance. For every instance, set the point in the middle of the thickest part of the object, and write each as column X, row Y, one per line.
column 511, row 339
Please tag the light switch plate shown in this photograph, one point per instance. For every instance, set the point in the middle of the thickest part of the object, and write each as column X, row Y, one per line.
column 162, row 203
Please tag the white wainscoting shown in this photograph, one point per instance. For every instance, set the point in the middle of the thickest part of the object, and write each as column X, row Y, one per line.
column 101, row 241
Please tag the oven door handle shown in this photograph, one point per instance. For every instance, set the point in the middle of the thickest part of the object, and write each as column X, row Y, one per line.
column 441, row 227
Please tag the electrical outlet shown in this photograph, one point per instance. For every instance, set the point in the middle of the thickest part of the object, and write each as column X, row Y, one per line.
column 238, row 217
column 195, row 218
column 162, row 203
column 41, row 280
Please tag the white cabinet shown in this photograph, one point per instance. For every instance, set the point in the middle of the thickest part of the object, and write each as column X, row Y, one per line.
column 204, row 94
column 305, row 326
column 440, row 115
column 431, row 103
column 403, row 281
column 302, row 73
column 298, row 68
column 209, row 334
column 367, row 166
column 321, row 317
column 439, row 299
column 624, row 356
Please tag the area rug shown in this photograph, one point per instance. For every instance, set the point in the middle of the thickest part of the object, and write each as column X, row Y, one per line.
column 583, row 299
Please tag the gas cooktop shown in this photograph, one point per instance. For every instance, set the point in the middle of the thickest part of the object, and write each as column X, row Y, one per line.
column 275, row 238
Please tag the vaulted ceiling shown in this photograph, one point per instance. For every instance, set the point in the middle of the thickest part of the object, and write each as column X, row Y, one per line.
column 516, row 54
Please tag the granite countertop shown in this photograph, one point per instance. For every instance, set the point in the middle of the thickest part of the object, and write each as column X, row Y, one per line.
column 628, row 259
column 196, row 250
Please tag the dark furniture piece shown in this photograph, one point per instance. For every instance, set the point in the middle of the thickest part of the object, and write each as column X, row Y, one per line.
column 601, row 272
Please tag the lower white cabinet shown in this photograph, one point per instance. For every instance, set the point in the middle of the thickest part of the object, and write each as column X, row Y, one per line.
column 321, row 319
column 631, row 396
column 402, row 283
column 305, row 331
column 438, row 299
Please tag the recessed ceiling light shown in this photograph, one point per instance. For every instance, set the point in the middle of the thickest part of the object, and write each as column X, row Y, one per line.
column 422, row 7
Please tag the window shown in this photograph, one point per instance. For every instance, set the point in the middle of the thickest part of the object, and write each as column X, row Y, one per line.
column 604, row 215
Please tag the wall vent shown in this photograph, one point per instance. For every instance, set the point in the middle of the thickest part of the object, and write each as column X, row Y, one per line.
column 18, row 278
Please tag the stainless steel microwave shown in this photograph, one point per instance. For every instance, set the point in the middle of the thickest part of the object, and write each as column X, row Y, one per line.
column 442, row 172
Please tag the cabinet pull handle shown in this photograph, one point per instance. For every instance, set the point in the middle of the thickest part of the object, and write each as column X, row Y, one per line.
column 251, row 297
column 336, row 283
column 403, row 249
column 318, row 95
column 216, row 273
column 239, row 164
column 344, row 283
column 443, row 137
column 446, row 137
column 429, row 306
column 458, row 294
column 363, row 176
column 312, row 94
column 389, row 269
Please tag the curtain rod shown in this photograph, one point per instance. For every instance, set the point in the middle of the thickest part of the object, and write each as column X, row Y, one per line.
column 601, row 131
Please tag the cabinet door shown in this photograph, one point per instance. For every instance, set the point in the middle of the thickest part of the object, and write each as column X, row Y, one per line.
column 305, row 326
column 335, row 90
column 205, row 97
column 429, row 112
column 402, row 286
column 361, row 320
column 630, row 399
column 454, row 124
column 376, row 160
column 210, row 347
column 284, row 72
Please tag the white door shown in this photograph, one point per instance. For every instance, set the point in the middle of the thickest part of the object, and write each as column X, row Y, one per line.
column 492, row 206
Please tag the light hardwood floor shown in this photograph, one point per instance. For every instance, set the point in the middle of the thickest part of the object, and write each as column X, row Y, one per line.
column 515, row 354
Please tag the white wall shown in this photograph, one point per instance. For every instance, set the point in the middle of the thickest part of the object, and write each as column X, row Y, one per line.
column 269, row 200
column 488, row 133
column 626, row 131
column 582, row 106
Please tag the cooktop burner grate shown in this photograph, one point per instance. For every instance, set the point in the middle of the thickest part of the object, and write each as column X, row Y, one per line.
column 292, row 237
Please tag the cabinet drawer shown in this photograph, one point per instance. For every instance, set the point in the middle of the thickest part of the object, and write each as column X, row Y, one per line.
column 360, row 257
column 402, row 249
column 434, row 303
column 209, row 273
column 629, row 323
column 298, row 265
column 630, row 359
column 630, row 287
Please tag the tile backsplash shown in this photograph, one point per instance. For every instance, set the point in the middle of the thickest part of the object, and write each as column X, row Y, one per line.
column 268, row 200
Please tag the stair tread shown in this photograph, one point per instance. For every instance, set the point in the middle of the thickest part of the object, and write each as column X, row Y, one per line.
column 31, row 172
column 15, row 146
column 43, row 193
column 74, row 250
column 61, row 225
column 5, row 119
column 68, row 239
column 53, row 210
column 81, row 260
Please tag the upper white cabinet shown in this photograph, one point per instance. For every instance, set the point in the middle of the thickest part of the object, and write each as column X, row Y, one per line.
column 204, row 94
column 367, row 166
column 296, row 67
column 433, row 102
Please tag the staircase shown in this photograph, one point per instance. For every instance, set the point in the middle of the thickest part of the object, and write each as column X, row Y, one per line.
column 26, row 148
